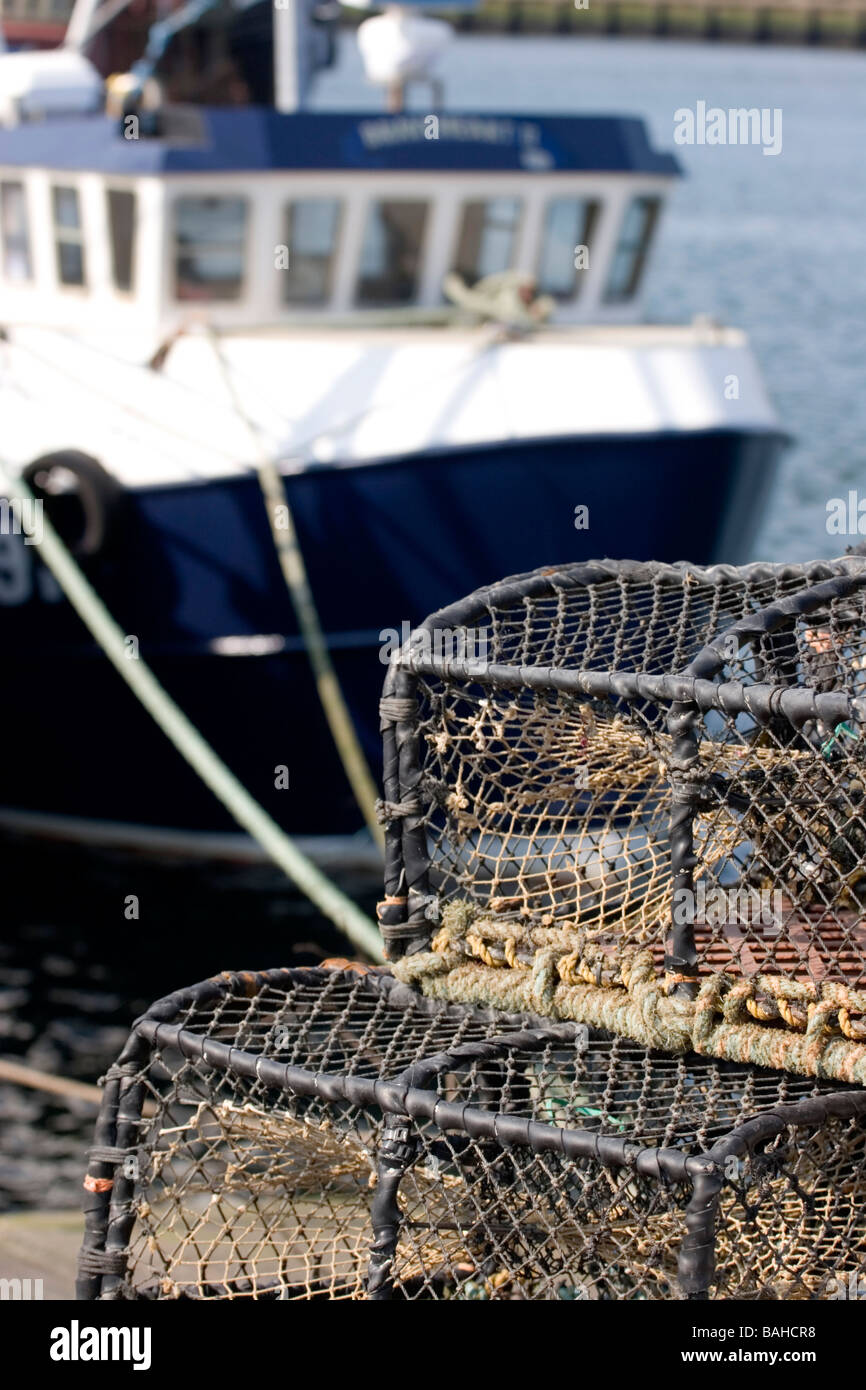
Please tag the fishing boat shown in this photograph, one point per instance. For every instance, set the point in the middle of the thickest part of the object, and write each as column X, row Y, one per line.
column 418, row 312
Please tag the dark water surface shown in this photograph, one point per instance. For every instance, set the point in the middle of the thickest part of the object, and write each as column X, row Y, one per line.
column 74, row 973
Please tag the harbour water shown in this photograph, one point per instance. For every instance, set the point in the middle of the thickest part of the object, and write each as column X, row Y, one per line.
column 75, row 970
column 773, row 244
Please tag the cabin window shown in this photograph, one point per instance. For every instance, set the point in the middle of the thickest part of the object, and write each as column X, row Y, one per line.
column 569, row 224
column 68, row 236
column 15, row 232
column 210, row 236
column 312, row 225
column 121, row 230
column 630, row 255
column 391, row 252
column 485, row 244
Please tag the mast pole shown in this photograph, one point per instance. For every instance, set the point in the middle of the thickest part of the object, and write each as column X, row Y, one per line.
column 290, row 67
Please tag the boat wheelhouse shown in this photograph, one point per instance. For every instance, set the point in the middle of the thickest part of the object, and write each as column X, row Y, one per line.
column 324, row 250
column 271, row 219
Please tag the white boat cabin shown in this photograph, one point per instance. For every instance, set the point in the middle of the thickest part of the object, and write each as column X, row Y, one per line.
column 252, row 219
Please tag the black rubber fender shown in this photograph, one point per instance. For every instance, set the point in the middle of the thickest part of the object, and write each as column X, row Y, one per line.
column 100, row 496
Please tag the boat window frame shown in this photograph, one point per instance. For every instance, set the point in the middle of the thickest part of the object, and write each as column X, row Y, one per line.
column 428, row 203
column 521, row 199
column 71, row 236
column 593, row 205
column 125, row 291
column 8, row 245
column 638, row 248
column 248, row 203
column 333, row 260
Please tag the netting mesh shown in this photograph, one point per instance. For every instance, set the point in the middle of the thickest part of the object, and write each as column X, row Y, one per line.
column 792, row 1224
column 620, row 1050
column 521, row 1225
column 246, row 1201
column 446, row 1158
column 243, row 1189
column 528, row 790
column 652, row 773
column 507, row 1221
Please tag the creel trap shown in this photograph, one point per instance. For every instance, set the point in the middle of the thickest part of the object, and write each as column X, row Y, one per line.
column 620, row 1049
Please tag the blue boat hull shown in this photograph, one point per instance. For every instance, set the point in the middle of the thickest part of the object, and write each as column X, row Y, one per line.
column 385, row 545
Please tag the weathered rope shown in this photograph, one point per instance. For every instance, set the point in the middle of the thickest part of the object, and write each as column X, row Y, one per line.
column 102, row 1261
column 109, row 1154
column 388, row 811
column 825, row 1026
column 396, row 708
column 91, row 1184
column 17, row 1074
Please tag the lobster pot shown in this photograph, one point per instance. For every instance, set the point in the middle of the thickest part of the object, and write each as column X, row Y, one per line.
column 237, row 1141
column 330, row 1134
column 634, row 796
column 589, row 1168
column 619, row 1051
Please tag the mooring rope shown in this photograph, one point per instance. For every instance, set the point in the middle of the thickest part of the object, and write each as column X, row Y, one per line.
column 187, row 739
column 17, row 1074
column 297, row 580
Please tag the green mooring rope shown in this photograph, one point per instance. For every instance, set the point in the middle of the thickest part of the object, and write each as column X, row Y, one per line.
column 290, row 556
column 186, row 738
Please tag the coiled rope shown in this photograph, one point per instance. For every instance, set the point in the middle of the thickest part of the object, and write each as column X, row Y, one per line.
column 170, row 718
column 472, row 961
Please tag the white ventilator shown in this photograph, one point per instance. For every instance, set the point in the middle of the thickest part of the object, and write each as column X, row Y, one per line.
column 399, row 46
column 58, row 82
